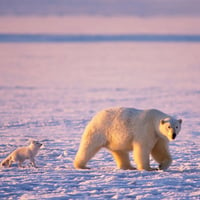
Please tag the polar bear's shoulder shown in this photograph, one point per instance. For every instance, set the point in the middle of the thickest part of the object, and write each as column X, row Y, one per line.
column 155, row 114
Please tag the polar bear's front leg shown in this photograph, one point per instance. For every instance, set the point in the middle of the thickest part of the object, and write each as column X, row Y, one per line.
column 141, row 157
column 161, row 154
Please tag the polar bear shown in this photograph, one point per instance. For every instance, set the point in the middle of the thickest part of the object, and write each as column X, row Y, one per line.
column 23, row 153
column 120, row 130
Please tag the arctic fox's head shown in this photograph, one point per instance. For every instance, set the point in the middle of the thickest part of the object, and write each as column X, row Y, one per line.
column 36, row 144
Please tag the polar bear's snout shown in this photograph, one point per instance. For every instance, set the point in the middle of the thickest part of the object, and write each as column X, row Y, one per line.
column 173, row 136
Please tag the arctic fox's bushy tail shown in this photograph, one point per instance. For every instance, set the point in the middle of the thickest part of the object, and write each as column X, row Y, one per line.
column 6, row 162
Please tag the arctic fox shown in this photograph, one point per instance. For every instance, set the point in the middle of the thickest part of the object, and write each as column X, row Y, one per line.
column 23, row 153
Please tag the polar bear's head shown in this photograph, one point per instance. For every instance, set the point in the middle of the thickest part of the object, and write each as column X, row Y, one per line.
column 170, row 127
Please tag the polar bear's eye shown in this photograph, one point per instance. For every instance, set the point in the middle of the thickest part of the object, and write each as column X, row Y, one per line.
column 169, row 127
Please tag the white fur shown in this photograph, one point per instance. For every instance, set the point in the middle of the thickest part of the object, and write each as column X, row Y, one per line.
column 121, row 130
column 21, row 154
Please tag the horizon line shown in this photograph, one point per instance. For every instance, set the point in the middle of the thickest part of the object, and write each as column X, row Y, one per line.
column 70, row 38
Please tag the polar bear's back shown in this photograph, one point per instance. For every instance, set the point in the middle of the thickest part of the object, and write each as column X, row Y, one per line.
column 119, row 111
column 120, row 120
column 109, row 117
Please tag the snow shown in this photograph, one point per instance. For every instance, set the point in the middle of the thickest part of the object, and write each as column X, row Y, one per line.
column 49, row 92
column 76, row 24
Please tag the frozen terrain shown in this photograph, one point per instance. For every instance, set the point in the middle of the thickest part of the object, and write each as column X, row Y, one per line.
column 49, row 92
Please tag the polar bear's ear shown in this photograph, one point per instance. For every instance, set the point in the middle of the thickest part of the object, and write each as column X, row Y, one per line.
column 162, row 121
column 180, row 121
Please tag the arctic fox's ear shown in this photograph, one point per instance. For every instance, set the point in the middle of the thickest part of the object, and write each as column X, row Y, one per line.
column 162, row 121
column 180, row 121
column 31, row 141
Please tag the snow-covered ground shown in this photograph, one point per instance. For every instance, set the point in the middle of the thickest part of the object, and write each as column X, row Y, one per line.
column 49, row 92
column 100, row 24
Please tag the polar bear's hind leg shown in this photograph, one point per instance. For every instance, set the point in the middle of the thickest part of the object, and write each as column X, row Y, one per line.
column 141, row 157
column 122, row 160
column 89, row 146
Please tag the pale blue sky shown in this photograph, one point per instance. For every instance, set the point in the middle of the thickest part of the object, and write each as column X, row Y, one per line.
column 101, row 7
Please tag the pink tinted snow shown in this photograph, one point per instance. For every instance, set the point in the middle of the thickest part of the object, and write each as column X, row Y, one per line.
column 100, row 25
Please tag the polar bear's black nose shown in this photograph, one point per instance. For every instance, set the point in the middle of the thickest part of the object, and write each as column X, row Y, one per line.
column 174, row 136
